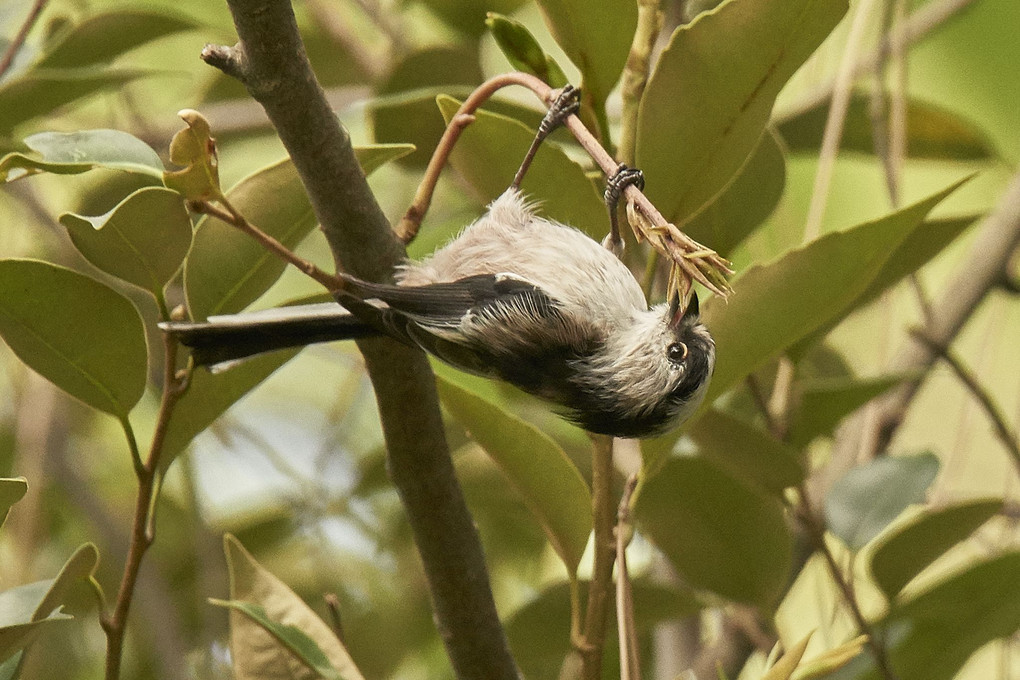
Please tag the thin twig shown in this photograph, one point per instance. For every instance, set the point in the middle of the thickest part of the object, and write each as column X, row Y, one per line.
column 15, row 45
column 635, row 75
column 333, row 606
column 841, row 92
column 780, row 402
column 816, row 531
column 114, row 623
column 754, row 388
column 630, row 662
column 1006, row 434
column 600, row 587
column 231, row 216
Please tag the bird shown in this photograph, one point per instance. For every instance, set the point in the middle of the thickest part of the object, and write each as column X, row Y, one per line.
column 520, row 298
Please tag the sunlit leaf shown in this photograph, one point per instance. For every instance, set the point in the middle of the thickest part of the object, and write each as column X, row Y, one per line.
column 39, row 92
column 79, row 566
column 932, row 132
column 931, row 636
column 787, row 664
column 596, row 41
column 831, row 659
column 101, row 38
column 909, row 549
column 489, row 152
column 719, row 533
column 275, row 643
column 776, row 304
column 71, row 153
column 523, row 51
column 535, row 465
column 143, row 240
column 227, row 270
column 867, row 498
column 744, row 205
column 12, row 490
column 707, row 103
column 76, row 332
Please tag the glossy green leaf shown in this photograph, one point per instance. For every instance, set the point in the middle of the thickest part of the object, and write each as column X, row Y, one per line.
column 143, row 240
column 489, row 152
column 468, row 16
column 103, row 37
column 866, row 499
column 71, row 153
column 932, row 636
column 720, row 534
column 539, row 631
column 746, row 452
column 825, row 402
column 746, row 203
column 598, row 42
column 909, row 549
column 707, row 104
column 776, row 304
column 39, row 92
column 916, row 250
column 12, row 490
column 209, row 395
column 79, row 566
column 932, row 132
column 523, row 51
column 276, row 635
column 227, row 270
column 535, row 465
column 76, row 332
column 17, row 636
column 404, row 109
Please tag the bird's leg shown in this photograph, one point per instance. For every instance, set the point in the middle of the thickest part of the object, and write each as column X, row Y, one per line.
column 615, row 185
column 565, row 105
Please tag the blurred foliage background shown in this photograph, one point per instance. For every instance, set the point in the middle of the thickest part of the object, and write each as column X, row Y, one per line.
column 295, row 469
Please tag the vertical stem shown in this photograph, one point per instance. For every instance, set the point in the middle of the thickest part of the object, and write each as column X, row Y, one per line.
column 600, row 588
column 635, row 75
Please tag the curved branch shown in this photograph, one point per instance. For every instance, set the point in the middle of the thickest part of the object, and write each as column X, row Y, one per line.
column 270, row 60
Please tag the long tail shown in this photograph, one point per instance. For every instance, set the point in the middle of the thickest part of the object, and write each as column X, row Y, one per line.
column 224, row 339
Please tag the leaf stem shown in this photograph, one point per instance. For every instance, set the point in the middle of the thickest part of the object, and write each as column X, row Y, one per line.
column 15, row 45
column 600, row 588
column 635, row 75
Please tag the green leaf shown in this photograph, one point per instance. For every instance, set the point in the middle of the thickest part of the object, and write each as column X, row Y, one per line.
column 825, row 402
column 536, row 466
column 273, row 633
column 539, row 631
column 39, row 92
column 12, row 490
column 597, row 41
column 101, row 38
column 746, row 203
column 71, row 153
column 79, row 566
column 15, row 637
column 932, row 132
column 209, row 395
column 746, row 452
column 908, row 550
column 916, row 250
column 776, row 304
column 227, row 270
column 867, row 498
column 932, row 636
column 489, row 152
column 143, row 240
column 720, row 534
column 832, row 659
column 76, row 332
column 707, row 103
column 523, row 51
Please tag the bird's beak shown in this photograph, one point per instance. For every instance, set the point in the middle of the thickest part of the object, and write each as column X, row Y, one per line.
column 676, row 315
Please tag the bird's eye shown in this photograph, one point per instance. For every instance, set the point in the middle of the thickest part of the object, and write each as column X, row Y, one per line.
column 677, row 352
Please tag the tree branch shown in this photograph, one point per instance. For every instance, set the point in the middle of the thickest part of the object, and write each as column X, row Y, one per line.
column 270, row 60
